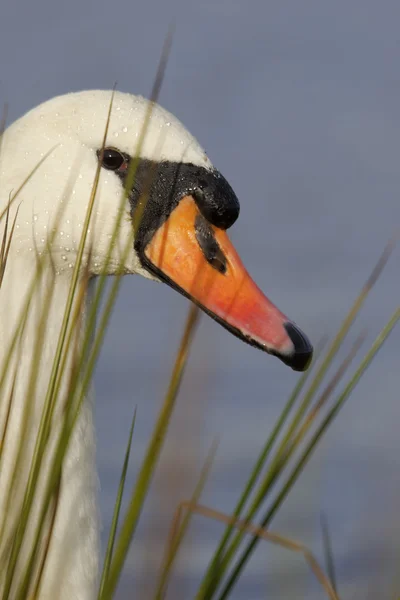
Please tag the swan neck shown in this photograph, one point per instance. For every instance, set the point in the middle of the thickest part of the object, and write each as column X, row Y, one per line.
column 71, row 568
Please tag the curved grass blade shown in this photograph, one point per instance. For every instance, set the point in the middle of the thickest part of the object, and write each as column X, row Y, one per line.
column 261, row 533
column 328, row 552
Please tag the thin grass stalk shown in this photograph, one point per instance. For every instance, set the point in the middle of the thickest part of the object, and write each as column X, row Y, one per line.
column 8, row 544
column 4, row 257
column 348, row 320
column 100, row 288
column 377, row 344
column 328, row 552
column 8, row 412
column 19, row 328
column 39, row 578
column 101, row 283
column 79, row 357
column 151, row 458
column 178, row 533
column 75, row 276
column 117, row 509
column 28, row 178
column 155, row 92
column 3, row 243
column 5, row 247
column 95, row 304
column 3, row 123
column 90, row 363
column 325, row 396
column 73, row 338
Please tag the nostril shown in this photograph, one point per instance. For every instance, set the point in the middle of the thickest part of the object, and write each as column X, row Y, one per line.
column 303, row 350
column 209, row 246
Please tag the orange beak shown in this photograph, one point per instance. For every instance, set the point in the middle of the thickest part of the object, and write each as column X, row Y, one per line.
column 199, row 260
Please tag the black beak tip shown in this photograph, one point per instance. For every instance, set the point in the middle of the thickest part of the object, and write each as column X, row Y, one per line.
column 301, row 358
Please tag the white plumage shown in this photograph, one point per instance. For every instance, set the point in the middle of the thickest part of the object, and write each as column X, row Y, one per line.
column 70, row 128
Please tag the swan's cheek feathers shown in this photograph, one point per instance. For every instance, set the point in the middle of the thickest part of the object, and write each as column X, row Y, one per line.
column 52, row 211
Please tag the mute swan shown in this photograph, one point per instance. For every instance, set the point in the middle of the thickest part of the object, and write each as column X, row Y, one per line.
column 190, row 205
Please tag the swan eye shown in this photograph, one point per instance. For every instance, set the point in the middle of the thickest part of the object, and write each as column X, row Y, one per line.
column 111, row 159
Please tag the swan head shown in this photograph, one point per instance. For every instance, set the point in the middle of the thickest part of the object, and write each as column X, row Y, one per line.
column 185, row 207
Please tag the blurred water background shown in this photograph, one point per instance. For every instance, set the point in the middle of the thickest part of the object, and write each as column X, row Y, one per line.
column 297, row 103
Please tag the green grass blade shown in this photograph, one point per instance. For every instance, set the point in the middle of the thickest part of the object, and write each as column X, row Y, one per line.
column 5, row 251
column 4, row 245
column 136, row 219
column 350, row 317
column 117, row 509
column 328, row 552
column 7, row 415
column 35, row 594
